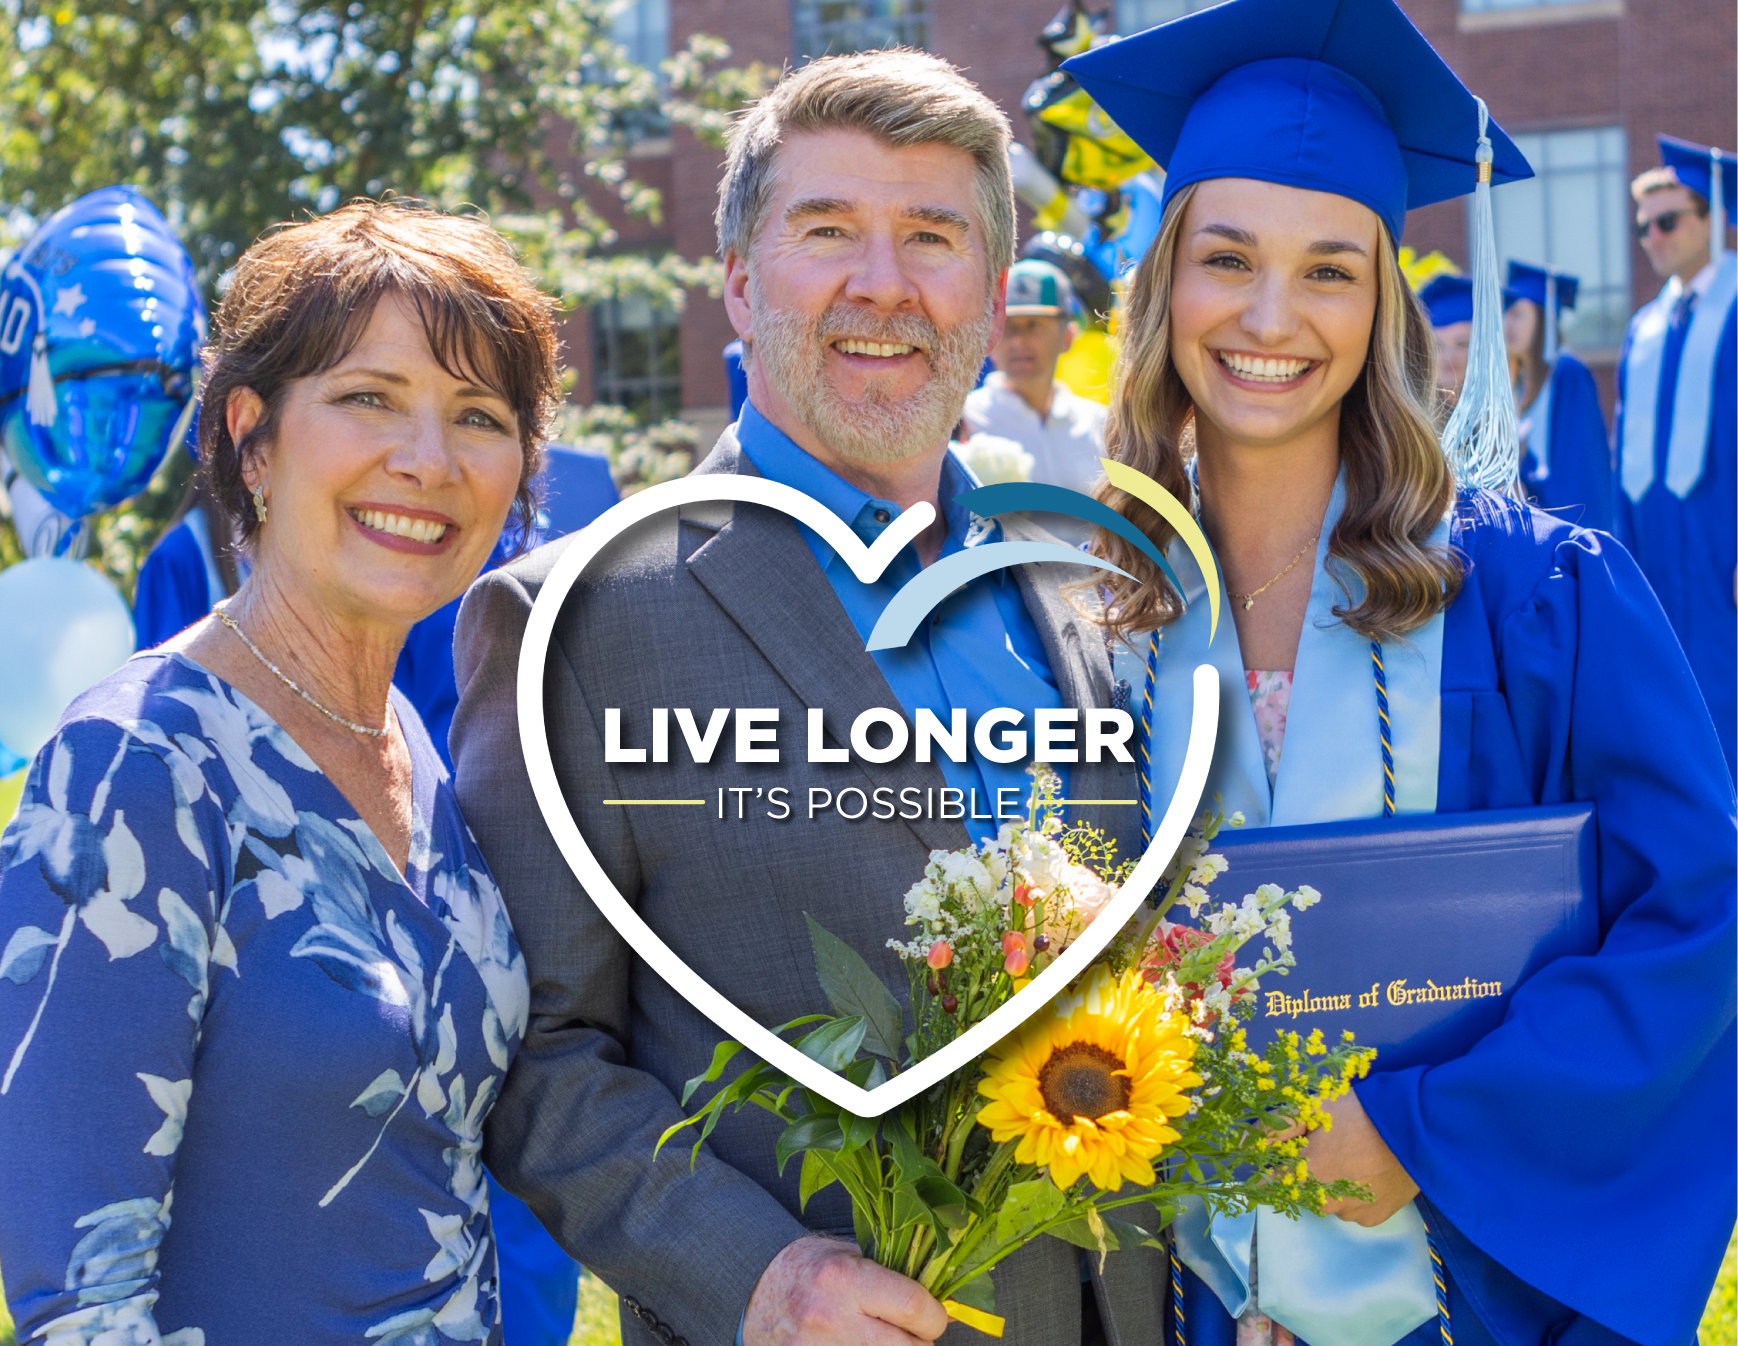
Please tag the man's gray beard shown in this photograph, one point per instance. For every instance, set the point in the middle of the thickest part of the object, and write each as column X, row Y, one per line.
column 792, row 349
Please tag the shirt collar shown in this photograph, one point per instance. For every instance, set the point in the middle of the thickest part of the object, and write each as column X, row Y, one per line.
column 777, row 457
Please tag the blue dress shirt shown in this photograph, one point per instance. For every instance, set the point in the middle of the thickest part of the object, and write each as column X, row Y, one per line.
column 978, row 650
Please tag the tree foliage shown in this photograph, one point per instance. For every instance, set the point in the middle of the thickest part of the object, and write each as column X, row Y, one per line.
column 234, row 116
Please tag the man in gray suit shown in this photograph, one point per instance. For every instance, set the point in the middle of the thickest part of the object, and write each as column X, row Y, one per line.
column 866, row 223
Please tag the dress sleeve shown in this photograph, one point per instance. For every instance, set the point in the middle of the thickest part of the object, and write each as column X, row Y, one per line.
column 108, row 933
column 1586, row 1144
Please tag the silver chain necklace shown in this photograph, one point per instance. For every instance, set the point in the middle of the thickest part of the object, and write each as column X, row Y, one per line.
column 284, row 678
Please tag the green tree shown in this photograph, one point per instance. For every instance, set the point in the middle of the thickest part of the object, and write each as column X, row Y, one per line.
column 233, row 116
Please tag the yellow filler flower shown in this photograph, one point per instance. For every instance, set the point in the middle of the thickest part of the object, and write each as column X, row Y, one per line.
column 1088, row 1085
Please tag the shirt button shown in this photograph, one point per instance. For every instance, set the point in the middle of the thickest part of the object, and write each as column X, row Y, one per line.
column 882, row 516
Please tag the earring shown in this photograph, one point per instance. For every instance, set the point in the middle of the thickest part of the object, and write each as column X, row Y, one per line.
column 259, row 504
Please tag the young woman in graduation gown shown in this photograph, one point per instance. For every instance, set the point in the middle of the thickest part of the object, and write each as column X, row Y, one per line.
column 1574, row 1169
column 1565, row 451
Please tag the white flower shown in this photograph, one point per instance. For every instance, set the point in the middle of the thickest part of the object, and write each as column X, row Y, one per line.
column 994, row 459
column 1207, row 868
column 1305, row 897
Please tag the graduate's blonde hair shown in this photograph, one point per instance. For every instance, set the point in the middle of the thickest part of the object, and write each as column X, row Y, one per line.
column 1398, row 483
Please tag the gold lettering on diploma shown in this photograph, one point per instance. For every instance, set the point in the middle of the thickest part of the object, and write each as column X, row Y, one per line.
column 1280, row 1005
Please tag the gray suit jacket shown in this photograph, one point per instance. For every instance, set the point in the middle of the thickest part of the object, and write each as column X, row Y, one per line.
column 727, row 610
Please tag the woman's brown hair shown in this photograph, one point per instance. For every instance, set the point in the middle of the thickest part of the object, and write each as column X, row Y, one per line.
column 301, row 296
column 1535, row 369
column 1398, row 484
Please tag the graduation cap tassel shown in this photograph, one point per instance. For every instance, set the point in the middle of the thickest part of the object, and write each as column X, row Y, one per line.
column 1481, row 439
column 39, row 400
column 1717, row 205
column 1550, row 318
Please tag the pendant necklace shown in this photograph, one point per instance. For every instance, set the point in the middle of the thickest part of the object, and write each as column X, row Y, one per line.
column 284, row 678
column 1248, row 600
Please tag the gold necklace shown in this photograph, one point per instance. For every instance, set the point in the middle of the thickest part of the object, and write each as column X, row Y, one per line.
column 284, row 678
column 1248, row 600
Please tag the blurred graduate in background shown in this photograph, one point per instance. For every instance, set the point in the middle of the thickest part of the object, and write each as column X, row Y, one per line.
column 1565, row 454
column 1677, row 416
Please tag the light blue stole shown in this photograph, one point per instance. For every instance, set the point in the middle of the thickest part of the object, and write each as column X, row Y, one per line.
column 1693, row 396
column 1332, row 1282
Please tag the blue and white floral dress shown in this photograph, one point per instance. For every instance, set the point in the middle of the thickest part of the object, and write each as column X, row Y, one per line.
column 244, row 1063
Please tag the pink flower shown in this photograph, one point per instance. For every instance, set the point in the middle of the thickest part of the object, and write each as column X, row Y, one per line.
column 940, row 954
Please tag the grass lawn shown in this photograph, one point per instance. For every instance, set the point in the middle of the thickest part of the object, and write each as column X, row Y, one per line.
column 596, row 1324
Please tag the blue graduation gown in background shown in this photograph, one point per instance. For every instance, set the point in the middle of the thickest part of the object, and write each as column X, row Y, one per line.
column 178, row 583
column 1576, row 485
column 1688, row 548
column 1577, row 1166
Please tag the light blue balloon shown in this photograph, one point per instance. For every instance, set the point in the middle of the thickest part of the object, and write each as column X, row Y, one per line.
column 66, row 628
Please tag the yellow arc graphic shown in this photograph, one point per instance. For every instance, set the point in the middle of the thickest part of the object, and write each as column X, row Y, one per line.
column 1174, row 512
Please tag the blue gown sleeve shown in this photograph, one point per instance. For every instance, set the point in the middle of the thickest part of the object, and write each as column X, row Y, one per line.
column 172, row 591
column 1580, row 449
column 108, row 937
column 1622, row 527
column 1585, row 1146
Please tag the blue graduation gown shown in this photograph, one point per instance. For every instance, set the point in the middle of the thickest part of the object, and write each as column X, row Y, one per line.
column 1574, row 480
column 1577, row 1166
column 1688, row 548
column 175, row 585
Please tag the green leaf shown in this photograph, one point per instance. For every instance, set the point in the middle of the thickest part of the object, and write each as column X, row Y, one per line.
column 817, row 1176
column 909, row 1208
column 721, row 1055
column 834, row 1044
column 853, row 989
column 977, row 1293
column 1028, row 1205
column 859, row 1131
column 807, row 1133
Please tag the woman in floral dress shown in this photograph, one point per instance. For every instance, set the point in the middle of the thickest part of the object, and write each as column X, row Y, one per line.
column 257, row 989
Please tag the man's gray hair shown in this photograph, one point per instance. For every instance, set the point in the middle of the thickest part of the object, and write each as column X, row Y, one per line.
column 899, row 96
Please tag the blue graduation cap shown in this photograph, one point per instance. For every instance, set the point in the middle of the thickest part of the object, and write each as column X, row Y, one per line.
column 1342, row 96
column 1552, row 290
column 1695, row 166
column 1448, row 300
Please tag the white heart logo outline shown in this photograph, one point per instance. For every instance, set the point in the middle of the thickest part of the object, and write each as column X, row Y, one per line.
column 867, row 563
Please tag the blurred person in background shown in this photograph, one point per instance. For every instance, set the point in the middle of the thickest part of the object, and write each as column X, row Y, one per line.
column 1565, row 454
column 1023, row 400
column 252, row 947
column 1677, row 416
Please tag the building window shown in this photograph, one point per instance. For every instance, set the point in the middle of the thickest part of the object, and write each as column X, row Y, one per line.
column 635, row 359
column 1575, row 216
column 642, row 29
column 1136, row 16
column 828, row 27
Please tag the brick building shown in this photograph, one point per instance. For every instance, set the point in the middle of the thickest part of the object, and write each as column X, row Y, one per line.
column 1582, row 85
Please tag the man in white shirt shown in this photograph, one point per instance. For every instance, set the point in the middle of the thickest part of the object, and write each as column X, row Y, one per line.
column 1024, row 401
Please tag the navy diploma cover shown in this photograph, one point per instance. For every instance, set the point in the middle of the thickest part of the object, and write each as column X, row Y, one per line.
column 1426, row 925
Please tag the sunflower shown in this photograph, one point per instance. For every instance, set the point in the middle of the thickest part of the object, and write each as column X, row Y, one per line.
column 1089, row 1085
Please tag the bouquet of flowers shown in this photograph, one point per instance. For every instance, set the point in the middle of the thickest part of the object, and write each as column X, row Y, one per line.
column 1131, row 1090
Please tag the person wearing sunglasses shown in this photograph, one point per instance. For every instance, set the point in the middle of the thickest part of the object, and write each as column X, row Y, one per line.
column 1677, row 416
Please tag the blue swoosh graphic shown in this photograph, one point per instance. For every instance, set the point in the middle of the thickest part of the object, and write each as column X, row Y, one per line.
column 907, row 608
column 1010, row 497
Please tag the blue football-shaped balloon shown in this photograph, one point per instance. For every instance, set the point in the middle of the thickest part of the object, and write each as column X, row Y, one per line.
column 100, row 327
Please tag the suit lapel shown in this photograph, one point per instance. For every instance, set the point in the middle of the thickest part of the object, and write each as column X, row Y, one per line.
column 757, row 567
